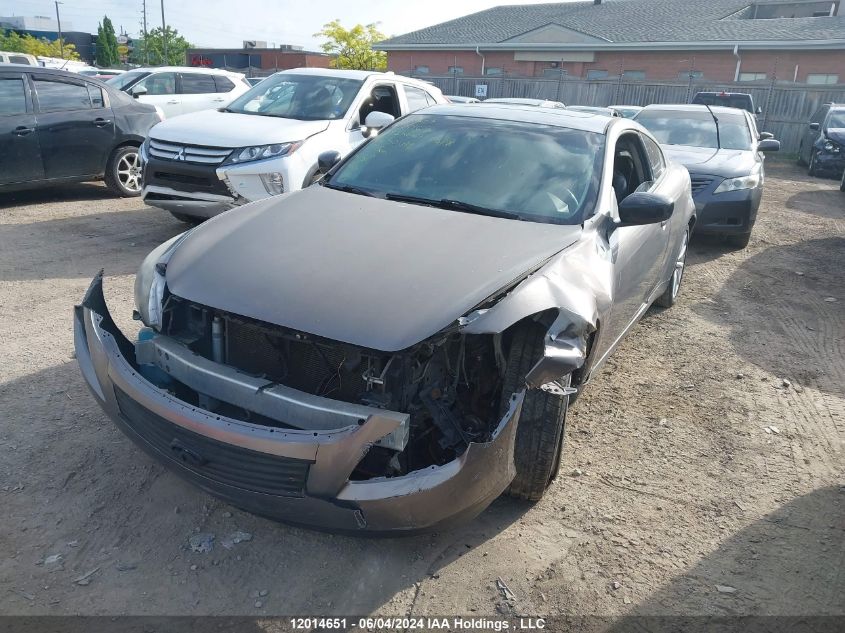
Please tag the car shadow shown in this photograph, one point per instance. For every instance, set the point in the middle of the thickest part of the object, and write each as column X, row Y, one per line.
column 825, row 203
column 83, row 482
column 83, row 243
column 58, row 193
column 793, row 298
column 784, row 569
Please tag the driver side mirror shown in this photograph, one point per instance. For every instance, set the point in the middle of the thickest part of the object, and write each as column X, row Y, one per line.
column 766, row 135
column 768, row 145
column 327, row 160
column 642, row 207
column 814, row 126
column 138, row 91
column 374, row 122
column 759, row 110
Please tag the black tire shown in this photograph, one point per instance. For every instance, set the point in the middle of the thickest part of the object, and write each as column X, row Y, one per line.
column 189, row 219
column 842, row 183
column 800, row 160
column 542, row 423
column 812, row 168
column 739, row 241
column 670, row 295
column 123, row 175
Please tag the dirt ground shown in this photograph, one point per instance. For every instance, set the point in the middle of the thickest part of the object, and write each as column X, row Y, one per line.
column 710, row 451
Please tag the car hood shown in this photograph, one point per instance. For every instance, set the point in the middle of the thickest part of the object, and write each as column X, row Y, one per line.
column 229, row 129
column 836, row 134
column 727, row 163
column 379, row 274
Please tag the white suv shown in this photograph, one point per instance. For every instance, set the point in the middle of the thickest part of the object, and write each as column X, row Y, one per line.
column 267, row 141
column 180, row 90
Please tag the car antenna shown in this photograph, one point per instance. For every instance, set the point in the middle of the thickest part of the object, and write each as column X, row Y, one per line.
column 716, row 121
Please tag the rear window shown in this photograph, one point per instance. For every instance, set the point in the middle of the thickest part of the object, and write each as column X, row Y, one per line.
column 741, row 101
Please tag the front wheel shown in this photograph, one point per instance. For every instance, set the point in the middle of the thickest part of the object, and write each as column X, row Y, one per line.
column 842, row 183
column 123, row 172
column 542, row 422
column 670, row 295
column 739, row 241
column 812, row 166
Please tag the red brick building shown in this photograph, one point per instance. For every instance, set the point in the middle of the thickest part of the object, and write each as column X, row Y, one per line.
column 266, row 60
column 659, row 40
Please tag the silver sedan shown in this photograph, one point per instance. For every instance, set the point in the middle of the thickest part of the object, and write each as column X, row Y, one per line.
column 397, row 345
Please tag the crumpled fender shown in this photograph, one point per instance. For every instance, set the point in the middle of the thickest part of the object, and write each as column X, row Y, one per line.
column 578, row 283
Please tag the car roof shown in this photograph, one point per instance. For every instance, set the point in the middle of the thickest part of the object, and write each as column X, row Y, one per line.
column 691, row 107
column 584, row 121
column 181, row 69
column 520, row 100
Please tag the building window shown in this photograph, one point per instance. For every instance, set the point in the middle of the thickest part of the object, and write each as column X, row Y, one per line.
column 553, row 73
column 752, row 76
column 456, row 70
column 633, row 75
column 597, row 74
column 493, row 71
column 691, row 74
column 422, row 70
column 822, row 78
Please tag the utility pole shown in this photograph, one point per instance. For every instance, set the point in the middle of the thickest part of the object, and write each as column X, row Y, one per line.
column 146, row 48
column 59, row 20
column 164, row 33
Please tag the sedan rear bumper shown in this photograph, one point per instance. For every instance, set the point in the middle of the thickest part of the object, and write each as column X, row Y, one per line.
column 292, row 475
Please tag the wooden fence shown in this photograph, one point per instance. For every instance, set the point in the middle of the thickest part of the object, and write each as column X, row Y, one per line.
column 787, row 108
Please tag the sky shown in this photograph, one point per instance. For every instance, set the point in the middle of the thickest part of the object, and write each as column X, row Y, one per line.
column 226, row 23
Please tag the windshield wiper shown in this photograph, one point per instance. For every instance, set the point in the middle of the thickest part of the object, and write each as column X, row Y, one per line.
column 350, row 189
column 716, row 121
column 456, row 205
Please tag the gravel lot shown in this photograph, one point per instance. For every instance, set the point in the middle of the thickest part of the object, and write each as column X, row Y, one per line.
column 710, row 453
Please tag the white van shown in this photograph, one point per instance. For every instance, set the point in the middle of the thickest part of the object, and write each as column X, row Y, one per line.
column 17, row 58
column 267, row 141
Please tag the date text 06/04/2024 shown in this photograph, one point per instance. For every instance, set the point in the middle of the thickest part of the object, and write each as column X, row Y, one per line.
column 418, row 623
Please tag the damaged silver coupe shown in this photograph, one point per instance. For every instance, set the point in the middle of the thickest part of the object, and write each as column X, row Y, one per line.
column 393, row 348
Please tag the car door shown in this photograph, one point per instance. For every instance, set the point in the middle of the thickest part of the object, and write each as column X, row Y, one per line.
column 75, row 126
column 810, row 134
column 198, row 92
column 159, row 89
column 20, row 153
column 639, row 251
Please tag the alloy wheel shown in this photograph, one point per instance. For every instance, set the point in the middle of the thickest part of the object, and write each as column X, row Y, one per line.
column 680, row 263
column 129, row 171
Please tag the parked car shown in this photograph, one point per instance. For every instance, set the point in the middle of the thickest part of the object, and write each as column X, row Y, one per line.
column 724, row 154
column 594, row 110
column 17, row 58
column 627, row 111
column 103, row 74
column 842, row 182
column 178, row 90
column 58, row 127
column 458, row 99
column 741, row 100
column 822, row 147
column 391, row 349
column 267, row 141
column 254, row 80
column 539, row 103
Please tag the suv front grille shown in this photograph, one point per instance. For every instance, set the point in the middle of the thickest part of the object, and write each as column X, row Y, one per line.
column 188, row 153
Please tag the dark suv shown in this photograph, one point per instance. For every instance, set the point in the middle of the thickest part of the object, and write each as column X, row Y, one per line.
column 823, row 143
column 58, row 127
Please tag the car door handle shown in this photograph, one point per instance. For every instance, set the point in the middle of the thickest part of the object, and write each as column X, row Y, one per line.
column 172, row 103
column 22, row 130
column 100, row 121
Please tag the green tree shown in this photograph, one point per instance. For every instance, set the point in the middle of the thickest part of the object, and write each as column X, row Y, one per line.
column 13, row 41
column 107, row 53
column 353, row 48
column 153, row 45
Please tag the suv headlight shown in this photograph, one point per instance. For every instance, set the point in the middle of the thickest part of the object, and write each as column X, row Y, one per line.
column 736, row 184
column 830, row 146
column 261, row 152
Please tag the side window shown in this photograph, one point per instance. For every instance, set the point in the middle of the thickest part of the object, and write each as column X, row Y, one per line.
column 416, row 98
column 223, row 84
column 655, row 158
column 96, row 95
column 18, row 59
column 631, row 171
column 60, row 95
column 381, row 99
column 430, row 100
column 12, row 96
column 160, row 84
column 195, row 84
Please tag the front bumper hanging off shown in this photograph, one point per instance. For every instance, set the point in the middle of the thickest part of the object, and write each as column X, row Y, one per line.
column 292, row 475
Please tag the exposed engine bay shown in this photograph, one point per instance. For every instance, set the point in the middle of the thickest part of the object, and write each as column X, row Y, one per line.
column 450, row 385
